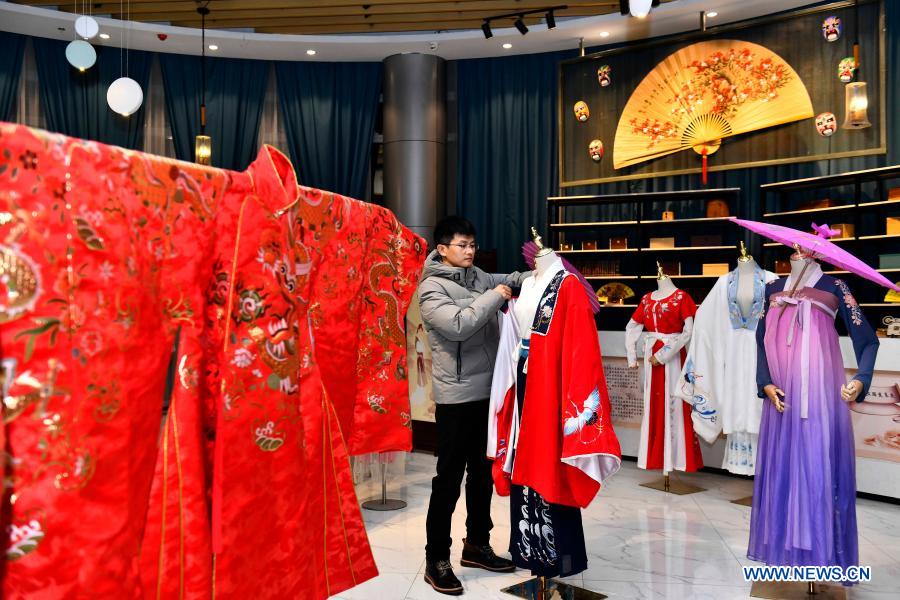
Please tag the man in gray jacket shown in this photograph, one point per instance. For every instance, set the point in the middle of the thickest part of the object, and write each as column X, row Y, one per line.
column 459, row 305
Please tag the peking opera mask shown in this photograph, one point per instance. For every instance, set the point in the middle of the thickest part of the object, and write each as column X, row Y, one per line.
column 826, row 124
column 846, row 69
column 604, row 74
column 581, row 111
column 595, row 149
column 831, row 28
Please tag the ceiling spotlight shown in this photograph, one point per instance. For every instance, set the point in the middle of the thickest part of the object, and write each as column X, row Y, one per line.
column 311, row 52
column 520, row 25
column 604, row 34
column 104, row 36
column 551, row 20
column 507, row 46
column 213, row 47
column 712, row 13
column 486, row 29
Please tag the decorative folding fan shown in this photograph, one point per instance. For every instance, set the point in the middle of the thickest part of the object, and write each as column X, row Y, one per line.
column 613, row 293
column 893, row 296
column 706, row 92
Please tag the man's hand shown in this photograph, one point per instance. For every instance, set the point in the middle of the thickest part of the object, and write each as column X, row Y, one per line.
column 852, row 390
column 773, row 392
column 504, row 290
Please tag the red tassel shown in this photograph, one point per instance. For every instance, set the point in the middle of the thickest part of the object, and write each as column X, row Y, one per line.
column 704, row 170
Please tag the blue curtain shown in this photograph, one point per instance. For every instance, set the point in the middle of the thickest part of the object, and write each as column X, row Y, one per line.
column 329, row 112
column 235, row 91
column 10, row 67
column 74, row 103
column 507, row 148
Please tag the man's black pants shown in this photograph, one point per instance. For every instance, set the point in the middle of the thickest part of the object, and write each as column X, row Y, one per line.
column 461, row 446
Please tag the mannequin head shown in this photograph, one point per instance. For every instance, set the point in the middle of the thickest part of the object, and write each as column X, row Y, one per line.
column 454, row 239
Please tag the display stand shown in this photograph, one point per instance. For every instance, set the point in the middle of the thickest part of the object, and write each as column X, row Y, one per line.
column 543, row 588
column 384, row 503
column 797, row 590
column 679, row 488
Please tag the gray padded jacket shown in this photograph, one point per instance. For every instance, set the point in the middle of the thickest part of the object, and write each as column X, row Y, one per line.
column 459, row 309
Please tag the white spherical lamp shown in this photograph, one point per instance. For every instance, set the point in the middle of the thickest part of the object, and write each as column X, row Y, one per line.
column 124, row 96
column 81, row 55
column 640, row 8
column 86, row 27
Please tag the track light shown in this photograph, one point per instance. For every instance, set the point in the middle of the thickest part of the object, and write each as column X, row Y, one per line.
column 551, row 20
column 520, row 25
column 486, row 28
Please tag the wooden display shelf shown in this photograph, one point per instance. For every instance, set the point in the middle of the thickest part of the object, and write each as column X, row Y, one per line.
column 843, row 239
column 588, row 225
column 880, row 203
column 605, row 277
column 880, row 304
column 848, row 272
column 687, row 249
column 805, row 211
column 884, row 236
column 679, row 221
column 598, row 251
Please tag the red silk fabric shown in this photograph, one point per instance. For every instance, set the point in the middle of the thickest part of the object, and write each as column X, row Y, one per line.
column 107, row 255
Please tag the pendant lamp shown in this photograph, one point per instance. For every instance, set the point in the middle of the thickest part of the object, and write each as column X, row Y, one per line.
column 202, row 142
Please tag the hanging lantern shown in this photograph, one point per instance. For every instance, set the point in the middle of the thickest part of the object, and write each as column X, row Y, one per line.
column 202, row 149
column 81, row 55
column 86, row 27
column 124, row 96
column 856, row 103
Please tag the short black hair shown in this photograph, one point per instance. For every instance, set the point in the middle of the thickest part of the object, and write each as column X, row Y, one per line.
column 449, row 227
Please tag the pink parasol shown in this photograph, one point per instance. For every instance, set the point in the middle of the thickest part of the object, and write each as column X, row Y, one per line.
column 819, row 247
column 530, row 250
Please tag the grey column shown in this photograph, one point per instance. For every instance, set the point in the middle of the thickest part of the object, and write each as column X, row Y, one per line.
column 414, row 140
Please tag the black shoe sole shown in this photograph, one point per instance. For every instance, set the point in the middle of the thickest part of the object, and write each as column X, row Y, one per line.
column 469, row 563
column 449, row 591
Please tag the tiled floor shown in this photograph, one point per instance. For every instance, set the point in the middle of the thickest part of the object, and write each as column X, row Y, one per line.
column 641, row 543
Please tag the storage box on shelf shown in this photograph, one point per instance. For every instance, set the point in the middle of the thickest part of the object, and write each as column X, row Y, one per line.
column 631, row 232
column 865, row 206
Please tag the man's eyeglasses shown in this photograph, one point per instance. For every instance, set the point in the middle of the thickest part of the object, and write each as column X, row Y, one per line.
column 464, row 247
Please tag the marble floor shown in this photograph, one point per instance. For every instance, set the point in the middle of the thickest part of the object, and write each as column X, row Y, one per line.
column 641, row 543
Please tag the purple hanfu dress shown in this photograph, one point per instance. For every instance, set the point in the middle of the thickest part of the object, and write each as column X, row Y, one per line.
column 804, row 493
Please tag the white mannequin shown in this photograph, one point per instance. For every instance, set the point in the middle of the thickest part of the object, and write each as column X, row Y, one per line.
column 664, row 285
column 546, row 264
column 746, row 269
column 798, row 263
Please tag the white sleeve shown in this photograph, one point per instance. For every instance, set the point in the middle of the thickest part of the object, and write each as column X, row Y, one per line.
column 673, row 347
column 632, row 334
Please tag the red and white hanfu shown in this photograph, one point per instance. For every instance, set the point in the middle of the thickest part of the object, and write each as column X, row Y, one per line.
column 668, row 441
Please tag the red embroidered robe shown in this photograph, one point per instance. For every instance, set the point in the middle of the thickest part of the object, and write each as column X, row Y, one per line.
column 100, row 269
column 564, row 370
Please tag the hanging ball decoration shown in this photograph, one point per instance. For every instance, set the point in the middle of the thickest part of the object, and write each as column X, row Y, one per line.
column 831, row 28
column 86, row 27
column 81, row 55
column 582, row 112
column 595, row 149
column 124, row 96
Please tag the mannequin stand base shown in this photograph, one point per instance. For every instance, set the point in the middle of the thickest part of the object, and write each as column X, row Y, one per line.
column 673, row 486
column 797, row 590
column 552, row 590
column 382, row 504
column 748, row 501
